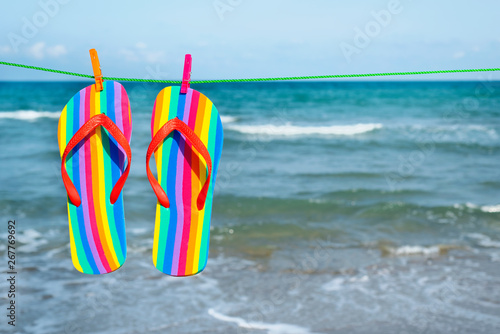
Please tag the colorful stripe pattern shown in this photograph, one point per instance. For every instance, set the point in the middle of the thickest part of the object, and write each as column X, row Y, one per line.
column 96, row 227
column 182, row 232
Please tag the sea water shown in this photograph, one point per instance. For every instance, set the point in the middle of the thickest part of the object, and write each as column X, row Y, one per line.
column 346, row 207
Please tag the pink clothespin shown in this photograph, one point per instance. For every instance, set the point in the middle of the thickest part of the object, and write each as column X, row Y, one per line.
column 187, row 74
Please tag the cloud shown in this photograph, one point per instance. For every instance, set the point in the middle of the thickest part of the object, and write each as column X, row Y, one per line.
column 56, row 51
column 141, row 54
column 40, row 49
column 154, row 56
column 4, row 49
column 459, row 54
column 36, row 50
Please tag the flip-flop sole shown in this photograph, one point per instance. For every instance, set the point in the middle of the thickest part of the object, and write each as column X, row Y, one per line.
column 182, row 231
column 96, row 227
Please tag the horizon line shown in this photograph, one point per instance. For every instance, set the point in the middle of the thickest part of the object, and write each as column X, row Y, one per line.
column 364, row 79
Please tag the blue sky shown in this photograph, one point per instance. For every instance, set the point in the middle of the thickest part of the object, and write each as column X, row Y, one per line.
column 250, row 38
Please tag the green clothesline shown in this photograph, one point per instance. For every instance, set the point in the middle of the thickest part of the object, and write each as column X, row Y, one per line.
column 332, row 76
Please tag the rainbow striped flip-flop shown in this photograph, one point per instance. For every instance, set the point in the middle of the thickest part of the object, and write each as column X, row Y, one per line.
column 94, row 136
column 187, row 161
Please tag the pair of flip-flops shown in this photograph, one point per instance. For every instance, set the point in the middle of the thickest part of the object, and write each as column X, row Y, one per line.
column 94, row 136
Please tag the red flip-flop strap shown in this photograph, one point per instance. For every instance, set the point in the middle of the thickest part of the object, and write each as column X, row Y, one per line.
column 86, row 129
column 165, row 130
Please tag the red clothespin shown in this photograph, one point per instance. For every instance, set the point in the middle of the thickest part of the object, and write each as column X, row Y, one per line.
column 187, row 74
column 97, row 70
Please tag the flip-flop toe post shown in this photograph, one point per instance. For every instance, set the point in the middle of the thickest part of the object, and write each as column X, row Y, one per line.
column 94, row 141
column 187, row 143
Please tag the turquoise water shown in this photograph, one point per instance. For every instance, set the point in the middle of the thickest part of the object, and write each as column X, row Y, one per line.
column 341, row 207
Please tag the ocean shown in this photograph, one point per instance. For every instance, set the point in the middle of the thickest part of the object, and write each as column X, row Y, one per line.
column 340, row 207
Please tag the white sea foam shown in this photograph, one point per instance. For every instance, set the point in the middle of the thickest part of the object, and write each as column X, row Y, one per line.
column 30, row 239
column 270, row 328
column 495, row 257
column 295, row 130
column 450, row 127
column 339, row 283
column 491, row 208
column 228, row 119
column 453, row 128
column 466, row 206
column 484, row 208
column 28, row 236
column 137, row 230
column 29, row 115
column 467, row 133
column 414, row 250
column 361, row 279
column 334, row 285
column 484, row 240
